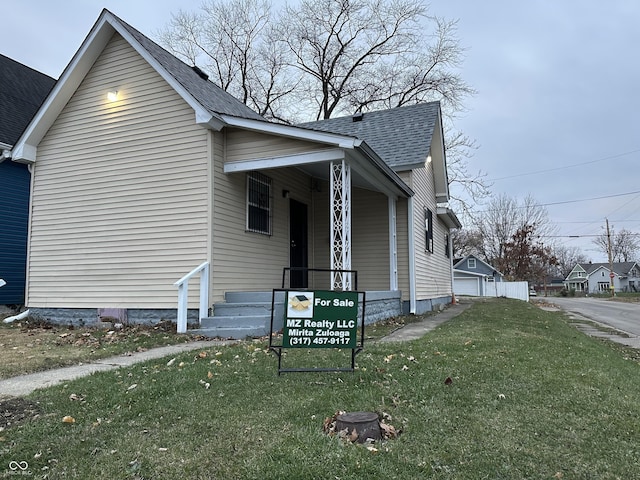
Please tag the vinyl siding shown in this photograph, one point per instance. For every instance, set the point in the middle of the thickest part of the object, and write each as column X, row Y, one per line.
column 433, row 273
column 369, row 237
column 248, row 145
column 402, row 215
column 247, row 261
column 120, row 193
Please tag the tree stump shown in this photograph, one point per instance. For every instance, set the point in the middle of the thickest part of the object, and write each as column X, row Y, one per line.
column 365, row 425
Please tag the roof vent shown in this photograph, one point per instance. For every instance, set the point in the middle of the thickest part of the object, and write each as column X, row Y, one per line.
column 357, row 117
column 200, row 73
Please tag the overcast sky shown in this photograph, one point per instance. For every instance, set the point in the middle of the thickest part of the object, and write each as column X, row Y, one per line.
column 556, row 115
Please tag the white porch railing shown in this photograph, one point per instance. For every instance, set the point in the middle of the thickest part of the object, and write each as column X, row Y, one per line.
column 183, row 295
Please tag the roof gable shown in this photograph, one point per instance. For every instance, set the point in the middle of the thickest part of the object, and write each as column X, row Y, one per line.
column 404, row 137
column 22, row 91
column 619, row 268
column 461, row 264
column 208, row 101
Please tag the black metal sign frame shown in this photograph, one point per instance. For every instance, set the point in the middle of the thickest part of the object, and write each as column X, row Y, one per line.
column 277, row 346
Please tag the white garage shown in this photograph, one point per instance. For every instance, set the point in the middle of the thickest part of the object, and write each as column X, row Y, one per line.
column 468, row 283
column 466, row 286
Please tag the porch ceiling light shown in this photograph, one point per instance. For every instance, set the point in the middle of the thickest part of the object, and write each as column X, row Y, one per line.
column 112, row 96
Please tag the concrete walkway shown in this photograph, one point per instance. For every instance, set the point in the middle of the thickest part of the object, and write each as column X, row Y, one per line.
column 25, row 384
column 416, row 330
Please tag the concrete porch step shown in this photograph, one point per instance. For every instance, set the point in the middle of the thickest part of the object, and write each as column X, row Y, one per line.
column 242, row 315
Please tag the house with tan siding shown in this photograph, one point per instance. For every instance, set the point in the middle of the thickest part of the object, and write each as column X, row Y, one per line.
column 144, row 171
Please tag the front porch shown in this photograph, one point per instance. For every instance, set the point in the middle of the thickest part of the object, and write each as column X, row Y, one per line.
column 248, row 314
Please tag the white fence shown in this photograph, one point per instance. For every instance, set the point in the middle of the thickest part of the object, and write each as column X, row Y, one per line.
column 518, row 290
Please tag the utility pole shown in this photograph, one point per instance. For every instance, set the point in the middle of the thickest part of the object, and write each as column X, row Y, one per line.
column 611, row 274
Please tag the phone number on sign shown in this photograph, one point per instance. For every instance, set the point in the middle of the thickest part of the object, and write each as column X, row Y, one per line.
column 319, row 341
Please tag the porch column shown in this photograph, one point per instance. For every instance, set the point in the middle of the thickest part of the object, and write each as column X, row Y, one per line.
column 393, row 246
column 340, row 224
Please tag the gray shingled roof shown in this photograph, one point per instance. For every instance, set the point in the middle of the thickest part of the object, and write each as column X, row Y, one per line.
column 621, row 268
column 22, row 91
column 208, row 94
column 400, row 136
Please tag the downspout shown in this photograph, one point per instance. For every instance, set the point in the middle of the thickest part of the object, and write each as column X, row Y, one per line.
column 412, row 259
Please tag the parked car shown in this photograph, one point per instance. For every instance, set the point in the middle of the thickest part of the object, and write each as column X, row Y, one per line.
column 532, row 292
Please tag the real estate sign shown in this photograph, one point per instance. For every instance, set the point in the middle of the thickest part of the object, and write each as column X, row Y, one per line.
column 320, row 319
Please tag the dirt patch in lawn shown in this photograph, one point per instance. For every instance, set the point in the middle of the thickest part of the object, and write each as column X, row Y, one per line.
column 32, row 345
column 14, row 411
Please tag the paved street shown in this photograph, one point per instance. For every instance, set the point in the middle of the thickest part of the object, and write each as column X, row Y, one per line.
column 619, row 315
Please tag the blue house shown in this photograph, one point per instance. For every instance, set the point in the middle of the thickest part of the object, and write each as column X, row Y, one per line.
column 22, row 91
column 471, row 274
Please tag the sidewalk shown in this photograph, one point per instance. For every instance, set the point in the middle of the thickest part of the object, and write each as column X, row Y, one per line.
column 416, row 330
column 25, row 384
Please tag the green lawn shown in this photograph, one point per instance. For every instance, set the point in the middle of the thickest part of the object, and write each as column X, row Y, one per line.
column 530, row 397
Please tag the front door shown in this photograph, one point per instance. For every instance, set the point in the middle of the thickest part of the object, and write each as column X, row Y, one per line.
column 298, row 253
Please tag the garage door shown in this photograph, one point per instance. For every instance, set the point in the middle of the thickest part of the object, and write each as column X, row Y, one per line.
column 466, row 286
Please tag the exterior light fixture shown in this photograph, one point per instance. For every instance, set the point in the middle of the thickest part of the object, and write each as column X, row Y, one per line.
column 112, row 96
column 429, row 159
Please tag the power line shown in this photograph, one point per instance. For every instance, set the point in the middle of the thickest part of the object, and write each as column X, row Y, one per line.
column 568, row 201
column 565, row 167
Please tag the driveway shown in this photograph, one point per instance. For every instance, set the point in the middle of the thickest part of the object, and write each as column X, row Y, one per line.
column 619, row 315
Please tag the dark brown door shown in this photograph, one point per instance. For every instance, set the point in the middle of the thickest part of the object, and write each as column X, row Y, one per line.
column 298, row 253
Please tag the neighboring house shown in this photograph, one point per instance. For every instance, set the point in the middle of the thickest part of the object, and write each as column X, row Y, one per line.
column 596, row 277
column 471, row 276
column 143, row 169
column 22, row 91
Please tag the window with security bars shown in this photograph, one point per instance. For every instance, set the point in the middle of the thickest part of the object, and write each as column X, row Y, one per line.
column 428, row 225
column 259, row 203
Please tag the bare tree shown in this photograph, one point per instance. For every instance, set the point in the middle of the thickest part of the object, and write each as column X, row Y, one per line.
column 525, row 257
column 625, row 245
column 322, row 58
column 567, row 258
column 503, row 217
column 233, row 40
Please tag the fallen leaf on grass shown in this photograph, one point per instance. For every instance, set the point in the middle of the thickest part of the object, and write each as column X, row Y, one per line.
column 209, row 375
column 448, row 381
column 133, row 385
column 171, row 362
column 202, row 355
column 75, row 397
column 68, row 419
column 388, row 431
